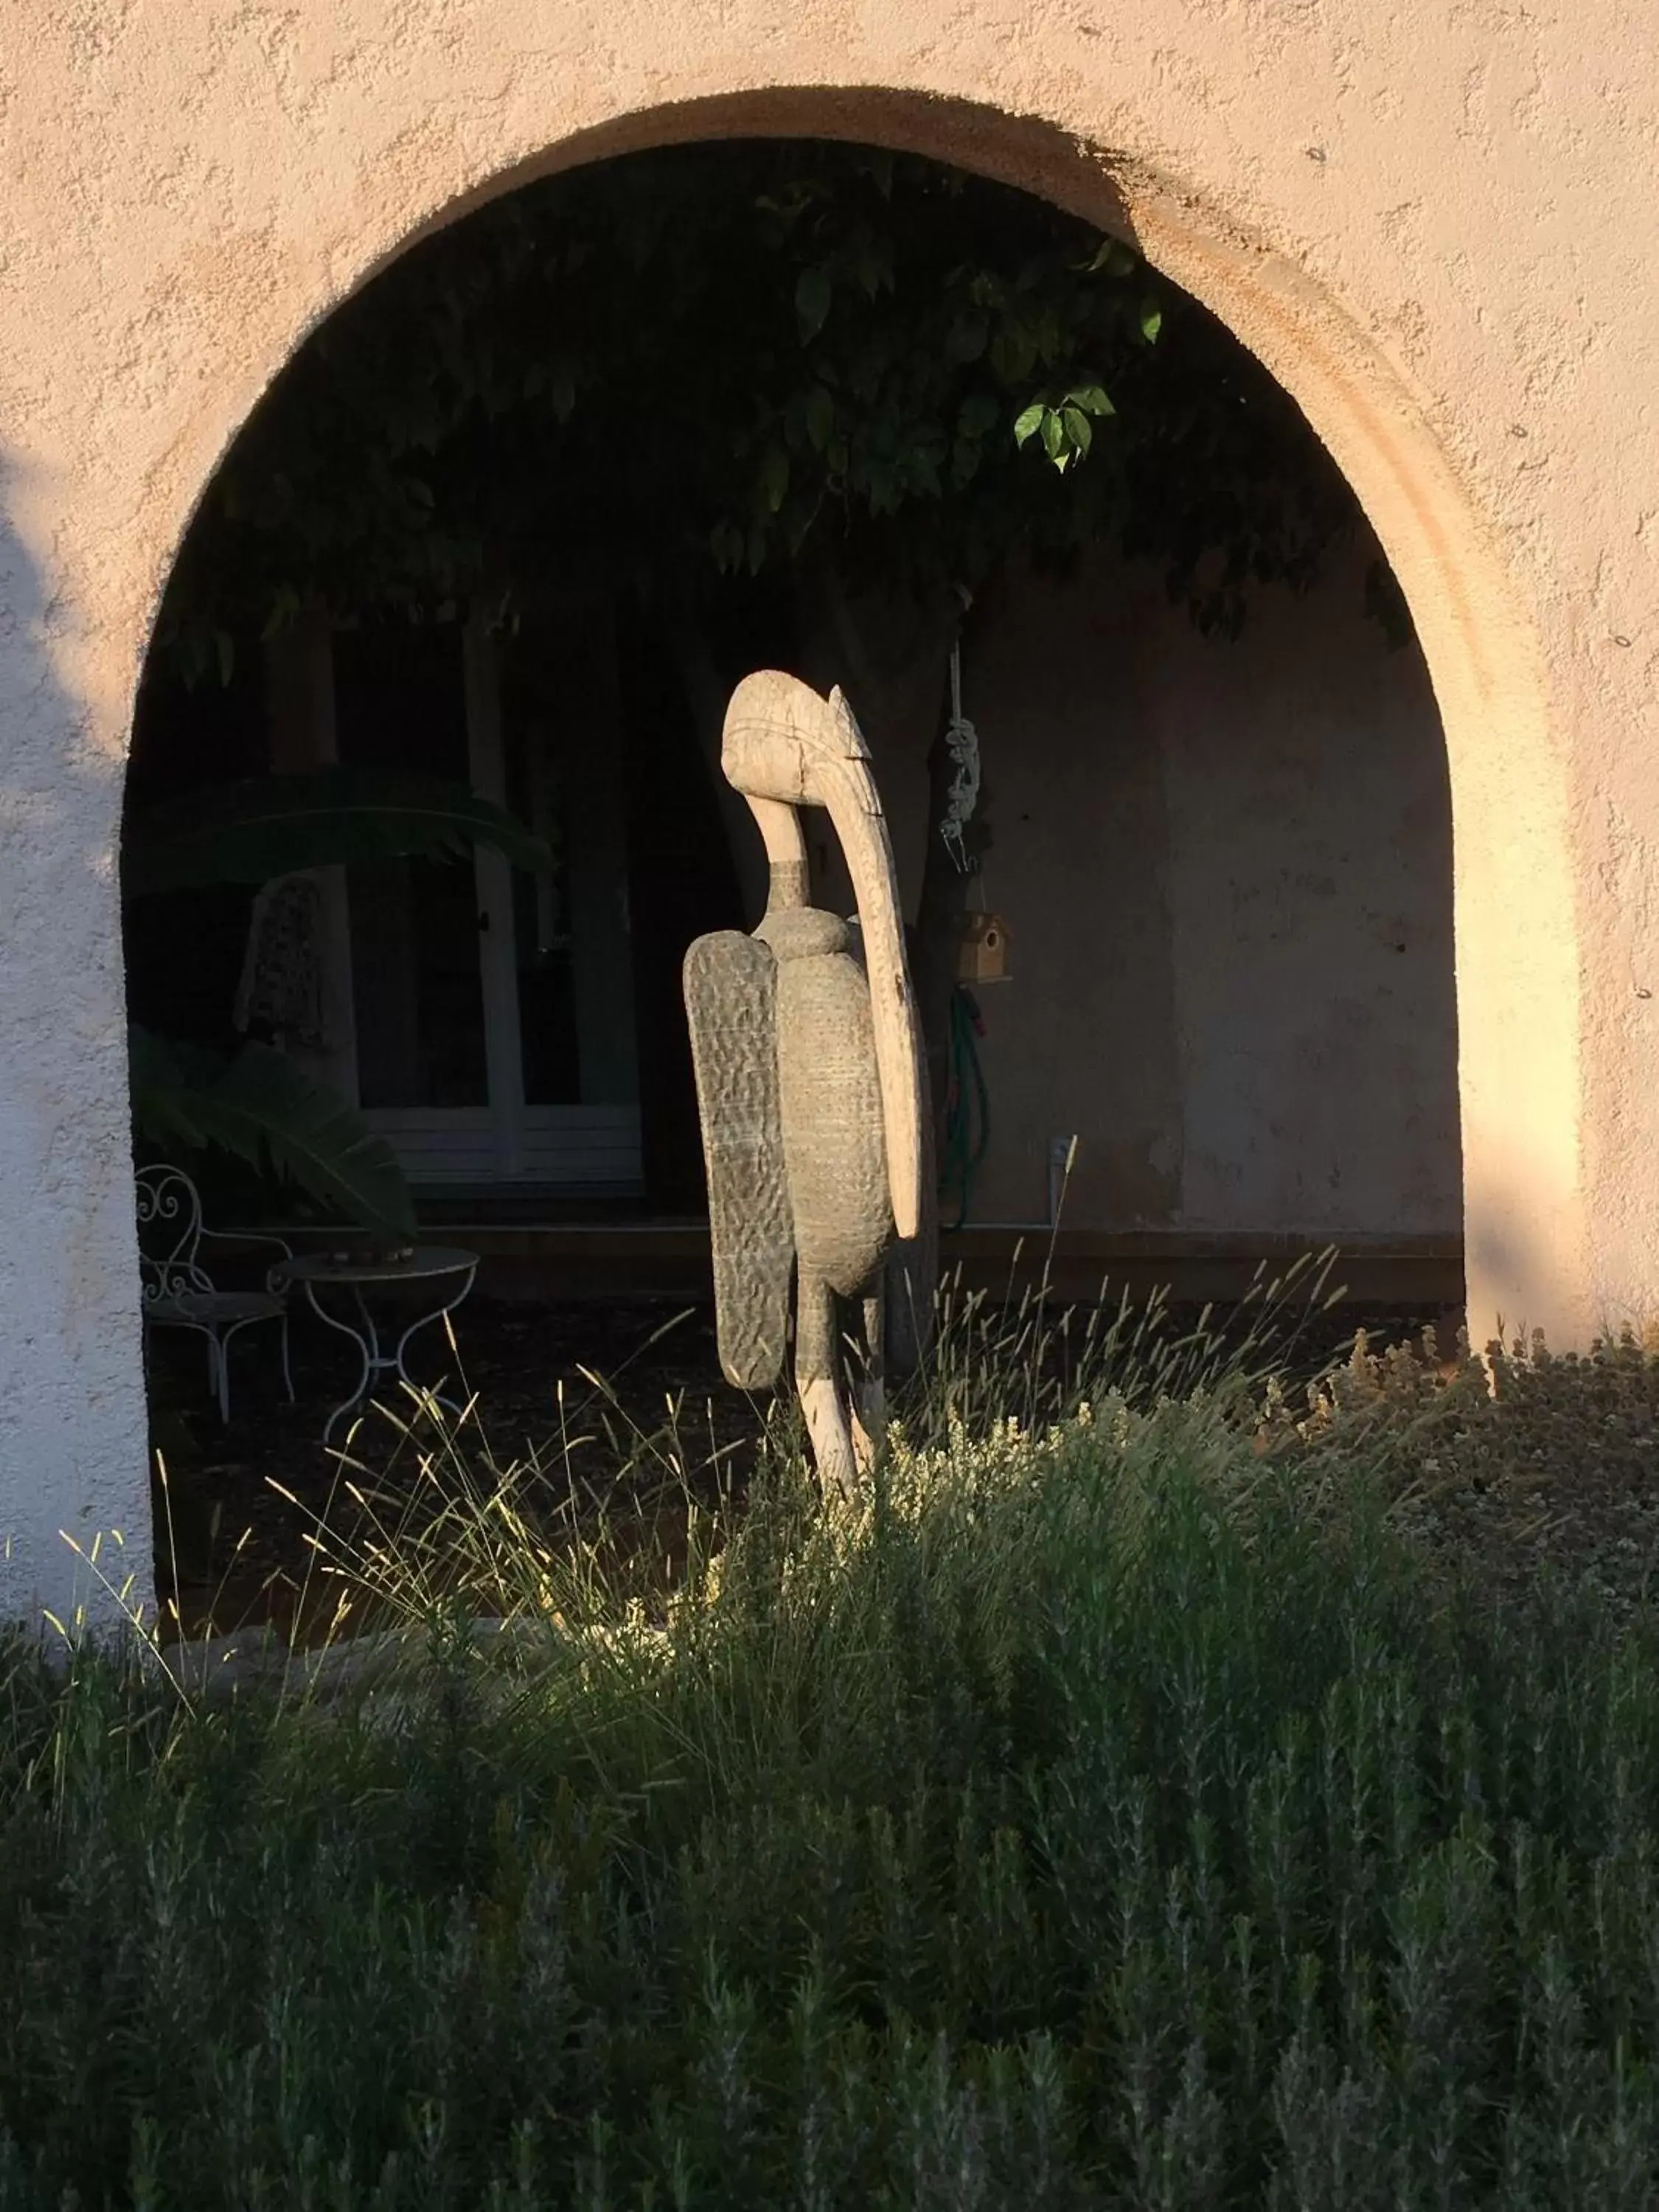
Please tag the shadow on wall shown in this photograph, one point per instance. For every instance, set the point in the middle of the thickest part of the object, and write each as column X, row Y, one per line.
column 73, row 1473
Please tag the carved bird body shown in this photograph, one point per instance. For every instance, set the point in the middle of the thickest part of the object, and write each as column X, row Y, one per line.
column 809, row 1074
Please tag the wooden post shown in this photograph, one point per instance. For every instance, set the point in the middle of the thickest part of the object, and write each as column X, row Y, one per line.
column 601, row 951
column 299, row 681
column 497, row 948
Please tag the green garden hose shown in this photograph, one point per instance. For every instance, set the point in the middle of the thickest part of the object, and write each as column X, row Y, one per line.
column 967, row 1110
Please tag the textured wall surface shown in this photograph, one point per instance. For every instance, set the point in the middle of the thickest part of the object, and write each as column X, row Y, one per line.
column 1433, row 219
column 1226, row 866
column 1311, row 902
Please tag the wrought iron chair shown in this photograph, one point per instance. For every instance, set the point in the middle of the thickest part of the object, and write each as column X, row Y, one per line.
column 177, row 1290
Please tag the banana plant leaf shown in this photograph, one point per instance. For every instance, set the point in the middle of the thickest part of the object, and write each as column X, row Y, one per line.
column 268, row 826
column 267, row 1111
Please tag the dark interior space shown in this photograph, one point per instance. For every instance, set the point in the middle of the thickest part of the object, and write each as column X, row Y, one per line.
column 184, row 950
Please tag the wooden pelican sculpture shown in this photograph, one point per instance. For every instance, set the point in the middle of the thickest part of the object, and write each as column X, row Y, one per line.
column 809, row 1075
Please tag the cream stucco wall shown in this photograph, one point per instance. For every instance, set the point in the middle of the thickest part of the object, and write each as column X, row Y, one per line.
column 1434, row 219
column 1310, row 897
column 1226, row 866
column 1227, row 870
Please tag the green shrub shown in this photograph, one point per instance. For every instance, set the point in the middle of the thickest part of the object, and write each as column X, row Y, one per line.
column 1133, row 1809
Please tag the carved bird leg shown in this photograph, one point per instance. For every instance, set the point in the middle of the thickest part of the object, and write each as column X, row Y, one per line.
column 816, row 1359
column 869, row 1407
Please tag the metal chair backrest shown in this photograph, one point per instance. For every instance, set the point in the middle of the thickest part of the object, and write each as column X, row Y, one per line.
column 169, row 1234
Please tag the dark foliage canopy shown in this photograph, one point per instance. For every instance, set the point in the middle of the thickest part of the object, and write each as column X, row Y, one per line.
column 692, row 366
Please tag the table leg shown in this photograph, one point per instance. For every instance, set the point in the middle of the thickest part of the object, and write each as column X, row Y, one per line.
column 425, row 1320
column 367, row 1350
column 366, row 1335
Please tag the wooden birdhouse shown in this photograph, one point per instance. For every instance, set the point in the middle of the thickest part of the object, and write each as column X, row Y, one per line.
column 982, row 949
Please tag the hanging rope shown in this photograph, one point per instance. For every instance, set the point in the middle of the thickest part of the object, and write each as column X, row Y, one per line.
column 967, row 1109
column 962, row 741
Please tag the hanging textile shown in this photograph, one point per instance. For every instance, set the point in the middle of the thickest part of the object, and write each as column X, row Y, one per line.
column 281, row 989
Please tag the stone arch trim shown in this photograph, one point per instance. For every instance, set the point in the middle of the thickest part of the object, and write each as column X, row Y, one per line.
column 1518, row 1008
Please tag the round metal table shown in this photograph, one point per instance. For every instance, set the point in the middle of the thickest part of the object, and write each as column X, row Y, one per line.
column 427, row 1262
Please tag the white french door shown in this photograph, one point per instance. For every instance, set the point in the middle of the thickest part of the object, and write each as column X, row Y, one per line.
column 492, row 1011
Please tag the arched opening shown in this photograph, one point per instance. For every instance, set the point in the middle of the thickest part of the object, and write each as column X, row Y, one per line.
column 1226, row 866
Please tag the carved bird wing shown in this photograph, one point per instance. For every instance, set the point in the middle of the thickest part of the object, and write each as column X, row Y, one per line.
column 731, row 993
column 781, row 743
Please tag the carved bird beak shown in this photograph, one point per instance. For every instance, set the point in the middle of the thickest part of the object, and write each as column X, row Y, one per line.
column 783, row 743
